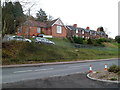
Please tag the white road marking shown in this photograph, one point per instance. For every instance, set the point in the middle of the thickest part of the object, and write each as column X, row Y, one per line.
column 44, row 69
column 76, row 66
column 22, row 71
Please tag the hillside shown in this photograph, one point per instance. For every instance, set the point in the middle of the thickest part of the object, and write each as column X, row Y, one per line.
column 23, row 52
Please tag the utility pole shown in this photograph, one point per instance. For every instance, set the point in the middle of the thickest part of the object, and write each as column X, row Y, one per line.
column 28, row 19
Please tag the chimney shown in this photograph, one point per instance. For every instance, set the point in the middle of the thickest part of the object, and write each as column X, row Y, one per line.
column 98, row 29
column 88, row 28
column 75, row 25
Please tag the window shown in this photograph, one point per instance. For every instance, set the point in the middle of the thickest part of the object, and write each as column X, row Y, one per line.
column 59, row 29
column 90, row 33
column 95, row 33
column 83, row 32
column 76, row 35
column 38, row 30
column 82, row 36
column 76, row 30
column 20, row 30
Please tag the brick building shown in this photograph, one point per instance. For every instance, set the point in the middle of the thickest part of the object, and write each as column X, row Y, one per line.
column 56, row 28
column 85, row 33
column 53, row 28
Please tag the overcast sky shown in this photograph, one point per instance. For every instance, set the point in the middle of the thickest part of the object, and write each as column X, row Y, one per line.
column 92, row 13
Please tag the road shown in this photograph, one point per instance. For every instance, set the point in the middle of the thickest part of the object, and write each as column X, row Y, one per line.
column 37, row 72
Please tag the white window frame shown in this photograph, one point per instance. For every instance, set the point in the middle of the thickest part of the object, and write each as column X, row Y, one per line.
column 90, row 33
column 83, row 32
column 95, row 33
column 59, row 29
column 76, row 30
column 83, row 36
column 38, row 30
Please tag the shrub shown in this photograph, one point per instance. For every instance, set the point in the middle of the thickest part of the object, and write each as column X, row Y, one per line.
column 78, row 40
column 114, row 68
column 85, row 41
column 117, row 39
column 90, row 41
column 113, row 78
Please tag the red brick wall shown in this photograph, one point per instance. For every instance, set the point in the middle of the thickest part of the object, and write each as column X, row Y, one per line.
column 33, row 31
column 55, row 34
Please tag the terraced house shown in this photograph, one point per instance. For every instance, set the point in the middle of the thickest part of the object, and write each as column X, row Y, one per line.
column 56, row 28
column 85, row 33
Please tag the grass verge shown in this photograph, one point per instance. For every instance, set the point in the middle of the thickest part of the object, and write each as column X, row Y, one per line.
column 22, row 52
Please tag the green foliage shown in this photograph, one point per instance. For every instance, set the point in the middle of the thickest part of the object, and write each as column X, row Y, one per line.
column 113, row 78
column 101, row 29
column 22, row 52
column 85, row 41
column 12, row 16
column 90, row 41
column 78, row 40
column 117, row 39
column 114, row 68
column 41, row 16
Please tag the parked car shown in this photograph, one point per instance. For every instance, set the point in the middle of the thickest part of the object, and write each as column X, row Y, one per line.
column 40, row 35
column 19, row 38
column 43, row 41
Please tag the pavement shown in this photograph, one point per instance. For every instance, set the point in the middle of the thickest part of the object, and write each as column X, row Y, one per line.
column 53, row 63
column 68, row 81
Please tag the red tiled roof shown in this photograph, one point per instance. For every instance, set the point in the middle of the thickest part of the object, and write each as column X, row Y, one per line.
column 35, row 23
column 40, row 24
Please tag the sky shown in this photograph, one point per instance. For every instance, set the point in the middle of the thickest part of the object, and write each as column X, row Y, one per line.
column 92, row 13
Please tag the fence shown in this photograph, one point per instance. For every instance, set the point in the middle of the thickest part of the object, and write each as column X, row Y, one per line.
column 94, row 47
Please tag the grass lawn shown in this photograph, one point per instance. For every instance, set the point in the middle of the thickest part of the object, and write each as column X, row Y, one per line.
column 23, row 52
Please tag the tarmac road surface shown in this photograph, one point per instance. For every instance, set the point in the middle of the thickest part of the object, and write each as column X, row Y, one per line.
column 68, row 81
column 16, row 74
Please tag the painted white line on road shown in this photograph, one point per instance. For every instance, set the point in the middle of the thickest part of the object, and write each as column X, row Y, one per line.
column 44, row 69
column 77, row 66
column 22, row 71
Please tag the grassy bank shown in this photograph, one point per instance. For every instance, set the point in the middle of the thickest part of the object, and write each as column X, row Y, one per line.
column 22, row 52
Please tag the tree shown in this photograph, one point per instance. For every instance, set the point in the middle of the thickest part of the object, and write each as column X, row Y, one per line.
column 7, row 18
column 12, row 16
column 117, row 38
column 18, row 13
column 101, row 29
column 41, row 16
column 50, row 18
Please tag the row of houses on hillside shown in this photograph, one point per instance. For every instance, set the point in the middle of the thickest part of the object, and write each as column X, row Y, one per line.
column 56, row 28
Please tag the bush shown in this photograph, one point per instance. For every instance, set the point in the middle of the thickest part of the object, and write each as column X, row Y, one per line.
column 113, row 78
column 117, row 39
column 85, row 41
column 78, row 40
column 89, row 41
column 114, row 68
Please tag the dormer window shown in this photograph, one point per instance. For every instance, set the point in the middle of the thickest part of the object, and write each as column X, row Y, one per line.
column 59, row 29
column 90, row 33
column 76, row 30
column 83, row 31
column 95, row 33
